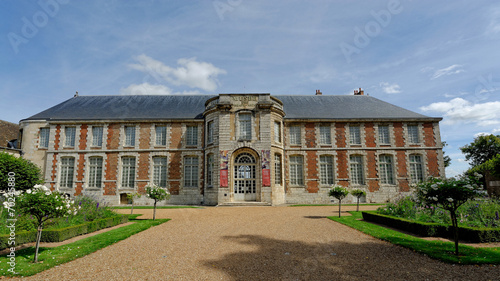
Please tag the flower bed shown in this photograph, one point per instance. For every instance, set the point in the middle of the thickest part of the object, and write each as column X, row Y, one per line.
column 469, row 234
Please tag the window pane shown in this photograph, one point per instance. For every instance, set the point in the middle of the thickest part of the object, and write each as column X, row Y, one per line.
column 210, row 132
column 191, row 171
column 161, row 135
column 277, row 169
column 355, row 135
column 325, row 134
column 130, row 136
column 294, row 135
column 245, row 126
column 96, row 136
column 383, row 134
column 44, row 137
column 192, row 135
column 416, row 172
column 128, row 173
column 160, row 171
column 277, row 132
column 326, row 169
column 210, row 169
column 67, row 171
column 386, row 170
column 356, row 169
column 413, row 134
column 70, row 136
column 95, row 172
column 296, row 176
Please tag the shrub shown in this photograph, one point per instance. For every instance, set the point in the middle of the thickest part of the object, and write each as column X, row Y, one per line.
column 157, row 194
column 25, row 172
column 340, row 193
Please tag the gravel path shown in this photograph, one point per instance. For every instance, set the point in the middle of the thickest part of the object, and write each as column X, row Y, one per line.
column 257, row 243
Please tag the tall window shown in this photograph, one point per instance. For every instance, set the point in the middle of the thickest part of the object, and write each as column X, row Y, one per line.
column 295, row 135
column 97, row 136
column 413, row 134
column 386, row 171
column 192, row 135
column 277, row 131
column 296, row 170
column 44, row 137
column 383, row 134
column 210, row 132
column 161, row 135
column 69, row 133
column 245, row 120
column 191, row 171
column 67, row 171
column 325, row 134
column 95, row 172
column 160, row 171
column 128, row 172
column 210, row 170
column 277, row 169
column 416, row 171
column 354, row 134
column 356, row 169
column 326, row 169
column 129, row 135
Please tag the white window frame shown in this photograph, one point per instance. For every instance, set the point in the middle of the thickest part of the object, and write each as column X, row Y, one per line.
column 277, row 131
column 386, row 169
column 325, row 134
column 416, row 168
column 95, row 172
column 210, row 170
column 354, row 134
column 128, row 172
column 277, row 169
column 66, row 179
column 210, row 131
column 160, row 171
column 384, row 136
column 160, row 135
column 245, row 124
column 97, row 133
column 191, row 171
column 191, row 135
column 356, row 168
column 69, row 136
column 327, row 171
column 129, row 136
column 296, row 170
column 413, row 134
column 44, row 138
column 295, row 134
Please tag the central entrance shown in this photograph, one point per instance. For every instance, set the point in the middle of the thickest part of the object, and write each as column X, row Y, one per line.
column 245, row 177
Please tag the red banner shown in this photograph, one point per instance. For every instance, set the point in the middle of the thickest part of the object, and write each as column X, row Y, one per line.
column 266, row 177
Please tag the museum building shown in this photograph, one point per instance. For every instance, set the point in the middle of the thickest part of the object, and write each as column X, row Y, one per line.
column 233, row 148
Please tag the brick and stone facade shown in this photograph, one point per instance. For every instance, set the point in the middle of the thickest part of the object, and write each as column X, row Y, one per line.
column 237, row 147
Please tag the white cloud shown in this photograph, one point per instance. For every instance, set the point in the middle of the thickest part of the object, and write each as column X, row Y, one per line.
column 459, row 110
column 155, row 89
column 390, row 88
column 189, row 72
column 453, row 69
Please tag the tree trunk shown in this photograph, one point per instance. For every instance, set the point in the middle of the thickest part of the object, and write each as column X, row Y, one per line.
column 132, row 210
column 357, row 206
column 154, row 212
column 38, row 236
column 455, row 230
column 340, row 206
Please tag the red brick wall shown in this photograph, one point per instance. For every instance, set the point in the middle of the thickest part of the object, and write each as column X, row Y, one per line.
column 432, row 163
column 371, row 162
column 144, row 135
column 79, row 173
column 340, row 134
column 402, row 171
column 176, row 135
column 174, row 172
column 429, row 139
column 312, row 172
column 111, row 173
column 310, row 136
column 370, row 135
column 113, row 140
column 399, row 134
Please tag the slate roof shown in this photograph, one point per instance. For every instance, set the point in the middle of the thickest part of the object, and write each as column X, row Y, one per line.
column 144, row 107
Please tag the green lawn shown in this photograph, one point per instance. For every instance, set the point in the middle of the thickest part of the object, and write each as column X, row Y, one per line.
column 50, row 257
column 315, row 205
column 157, row 207
column 443, row 251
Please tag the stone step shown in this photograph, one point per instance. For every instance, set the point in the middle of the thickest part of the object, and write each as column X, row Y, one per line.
column 245, row 203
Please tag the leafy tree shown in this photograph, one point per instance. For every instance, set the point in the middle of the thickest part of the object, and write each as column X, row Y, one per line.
column 158, row 194
column 482, row 149
column 27, row 174
column 449, row 194
column 43, row 205
column 340, row 193
column 446, row 158
column 358, row 193
column 131, row 197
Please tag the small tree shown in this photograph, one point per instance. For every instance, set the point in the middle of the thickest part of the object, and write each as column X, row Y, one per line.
column 340, row 193
column 43, row 205
column 131, row 197
column 449, row 194
column 27, row 173
column 358, row 193
column 158, row 194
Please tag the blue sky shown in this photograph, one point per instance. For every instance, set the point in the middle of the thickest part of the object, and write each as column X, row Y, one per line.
column 438, row 58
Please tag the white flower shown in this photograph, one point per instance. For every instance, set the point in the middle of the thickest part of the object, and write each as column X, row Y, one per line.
column 450, row 199
column 435, row 198
column 75, row 213
column 47, row 193
column 69, row 212
column 28, row 191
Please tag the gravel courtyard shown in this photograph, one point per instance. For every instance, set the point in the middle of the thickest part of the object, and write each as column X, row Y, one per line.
column 257, row 243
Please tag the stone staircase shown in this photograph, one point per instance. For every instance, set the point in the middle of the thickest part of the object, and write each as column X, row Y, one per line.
column 246, row 204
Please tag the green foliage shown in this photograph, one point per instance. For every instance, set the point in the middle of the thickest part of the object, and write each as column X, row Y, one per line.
column 446, row 158
column 358, row 193
column 482, row 149
column 338, row 192
column 492, row 165
column 132, row 196
column 157, row 193
column 26, row 173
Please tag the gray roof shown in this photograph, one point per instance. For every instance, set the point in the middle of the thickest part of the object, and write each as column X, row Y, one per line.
column 144, row 107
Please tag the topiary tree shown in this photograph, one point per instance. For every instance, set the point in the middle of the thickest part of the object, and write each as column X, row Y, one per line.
column 358, row 193
column 158, row 194
column 340, row 193
column 131, row 197
column 43, row 205
column 449, row 194
column 27, row 173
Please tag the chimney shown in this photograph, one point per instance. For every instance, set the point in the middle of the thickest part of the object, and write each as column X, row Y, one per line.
column 359, row 93
column 319, row 93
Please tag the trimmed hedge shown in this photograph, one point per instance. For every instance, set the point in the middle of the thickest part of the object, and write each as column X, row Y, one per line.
column 468, row 234
column 59, row 235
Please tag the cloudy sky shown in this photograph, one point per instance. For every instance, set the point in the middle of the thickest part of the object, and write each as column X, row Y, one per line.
column 438, row 58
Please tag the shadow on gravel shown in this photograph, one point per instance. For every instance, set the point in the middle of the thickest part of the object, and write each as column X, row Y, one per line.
column 272, row 259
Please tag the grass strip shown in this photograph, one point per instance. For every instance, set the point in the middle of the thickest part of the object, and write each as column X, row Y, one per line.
column 318, row 205
column 157, row 207
column 443, row 251
column 50, row 257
